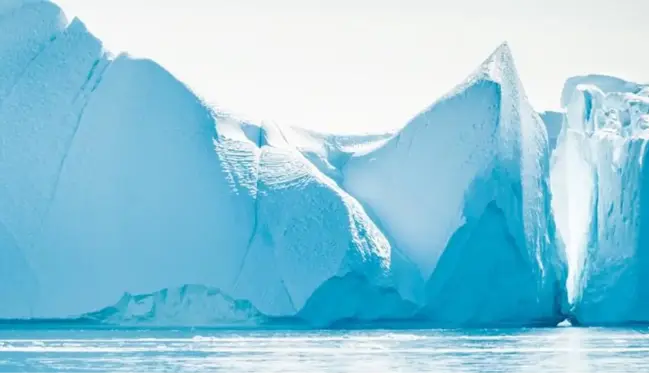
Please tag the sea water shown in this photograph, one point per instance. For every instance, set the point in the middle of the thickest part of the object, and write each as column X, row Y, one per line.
column 563, row 349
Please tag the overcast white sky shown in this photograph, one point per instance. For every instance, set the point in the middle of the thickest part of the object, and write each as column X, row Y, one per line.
column 367, row 65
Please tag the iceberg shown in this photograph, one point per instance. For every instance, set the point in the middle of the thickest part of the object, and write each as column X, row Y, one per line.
column 126, row 199
column 599, row 185
column 463, row 192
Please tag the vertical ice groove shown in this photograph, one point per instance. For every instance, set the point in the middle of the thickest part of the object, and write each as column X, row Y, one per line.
column 255, row 223
column 96, row 72
column 598, row 185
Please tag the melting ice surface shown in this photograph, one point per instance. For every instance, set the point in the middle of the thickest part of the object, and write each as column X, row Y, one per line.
column 124, row 198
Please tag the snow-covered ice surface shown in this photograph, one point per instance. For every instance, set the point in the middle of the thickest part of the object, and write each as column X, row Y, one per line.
column 124, row 198
column 600, row 185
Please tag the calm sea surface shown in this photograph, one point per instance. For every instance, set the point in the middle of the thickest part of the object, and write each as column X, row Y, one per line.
column 523, row 350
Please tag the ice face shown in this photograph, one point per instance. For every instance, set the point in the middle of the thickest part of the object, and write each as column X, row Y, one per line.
column 457, row 184
column 117, row 179
column 599, row 187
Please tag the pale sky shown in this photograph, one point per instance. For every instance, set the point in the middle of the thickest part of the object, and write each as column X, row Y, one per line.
column 367, row 65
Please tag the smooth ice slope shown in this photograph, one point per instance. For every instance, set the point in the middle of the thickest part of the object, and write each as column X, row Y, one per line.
column 125, row 199
column 116, row 178
column 600, row 185
column 462, row 190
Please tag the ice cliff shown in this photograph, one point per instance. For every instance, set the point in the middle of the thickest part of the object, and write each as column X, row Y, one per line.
column 124, row 198
column 600, row 185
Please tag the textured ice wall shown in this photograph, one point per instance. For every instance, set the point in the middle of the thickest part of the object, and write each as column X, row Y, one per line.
column 600, row 186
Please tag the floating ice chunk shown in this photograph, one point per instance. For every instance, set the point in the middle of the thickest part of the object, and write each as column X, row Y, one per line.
column 189, row 305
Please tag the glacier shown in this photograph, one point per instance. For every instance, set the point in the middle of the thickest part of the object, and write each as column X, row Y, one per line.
column 599, row 188
column 124, row 198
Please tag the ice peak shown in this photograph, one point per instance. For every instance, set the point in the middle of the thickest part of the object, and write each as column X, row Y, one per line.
column 77, row 26
column 503, row 51
column 502, row 54
column 500, row 61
